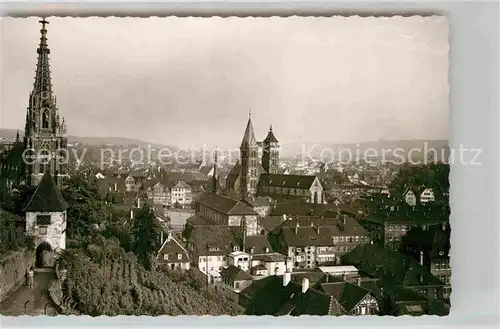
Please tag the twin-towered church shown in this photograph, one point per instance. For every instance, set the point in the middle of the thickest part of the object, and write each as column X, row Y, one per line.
column 250, row 177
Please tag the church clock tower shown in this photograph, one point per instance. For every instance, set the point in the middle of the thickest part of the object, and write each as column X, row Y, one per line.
column 45, row 138
column 270, row 154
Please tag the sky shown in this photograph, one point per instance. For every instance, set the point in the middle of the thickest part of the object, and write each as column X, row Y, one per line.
column 193, row 81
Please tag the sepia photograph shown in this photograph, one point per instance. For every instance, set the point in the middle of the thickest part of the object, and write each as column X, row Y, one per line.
column 225, row 166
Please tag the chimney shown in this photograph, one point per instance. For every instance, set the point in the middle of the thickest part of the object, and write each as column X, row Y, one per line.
column 421, row 258
column 358, row 281
column 317, row 229
column 344, row 277
column 284, row 217
column 132, row 213
column 287, row 277
column 297, row 228
column 161, row 237
column 138, row 202
column 305, row 285
column 326, row 278
column 344, row 217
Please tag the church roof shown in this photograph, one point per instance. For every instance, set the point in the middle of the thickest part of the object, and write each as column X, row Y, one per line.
column 290, row 181
column 270, row 136
column 249, row 137
column 47, row 197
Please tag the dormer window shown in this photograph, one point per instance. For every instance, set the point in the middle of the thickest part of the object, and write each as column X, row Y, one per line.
column 236, row 248
column 165, row 256
column 267, row 249
column 179, row 256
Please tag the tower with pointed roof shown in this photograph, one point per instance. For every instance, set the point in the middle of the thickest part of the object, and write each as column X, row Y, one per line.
column 249, row 162
column 46, row 221
column 270, row 153
column 45, row 138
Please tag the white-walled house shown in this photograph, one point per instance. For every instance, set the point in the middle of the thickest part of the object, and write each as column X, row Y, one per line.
column 427, row 195
column 239, row 259
column 46, row 221
column 410, row 198
column 181, row 194
column 173, row 255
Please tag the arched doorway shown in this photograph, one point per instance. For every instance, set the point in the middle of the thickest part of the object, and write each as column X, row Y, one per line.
column 44, row 255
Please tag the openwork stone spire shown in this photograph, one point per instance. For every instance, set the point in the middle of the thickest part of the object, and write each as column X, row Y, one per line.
column 42, row 110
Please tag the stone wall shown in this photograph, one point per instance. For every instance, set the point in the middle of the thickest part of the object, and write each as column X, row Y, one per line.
column 13, row 268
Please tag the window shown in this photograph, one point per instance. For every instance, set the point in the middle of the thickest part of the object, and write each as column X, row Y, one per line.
column 179, row 256
column 43, row 220
column 45, row 119
column 165, row 256
column 237, row 285
column 42, row 230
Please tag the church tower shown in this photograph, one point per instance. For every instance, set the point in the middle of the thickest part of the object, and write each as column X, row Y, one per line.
column 270, row 153
column 45, row 138
column 249, row 162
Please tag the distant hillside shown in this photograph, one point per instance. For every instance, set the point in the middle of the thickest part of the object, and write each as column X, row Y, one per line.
column 10, row 134
column 325, row 150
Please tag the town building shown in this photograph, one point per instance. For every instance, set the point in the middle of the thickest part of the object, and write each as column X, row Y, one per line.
column 397, row 268
column 173, row 255
column 235, row 279
column 279, row 295
column 210, row 245
column 223, row 210
column 313, row 242
column 46, row 221
column 389, row 228
column 431, row 248
column 180, row 195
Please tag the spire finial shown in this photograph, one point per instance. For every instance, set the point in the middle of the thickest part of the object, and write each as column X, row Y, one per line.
column 43, row 22
column 271, row 127
column 249, row 112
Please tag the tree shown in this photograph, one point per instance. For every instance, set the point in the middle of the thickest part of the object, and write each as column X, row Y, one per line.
column 86, row 208
column 145, row 230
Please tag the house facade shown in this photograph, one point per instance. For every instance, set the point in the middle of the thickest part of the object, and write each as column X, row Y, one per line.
column 181, row 194
column 172, row 255
column 314, row 242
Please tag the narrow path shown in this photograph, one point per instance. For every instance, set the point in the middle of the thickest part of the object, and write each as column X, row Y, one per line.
column 37, row 297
